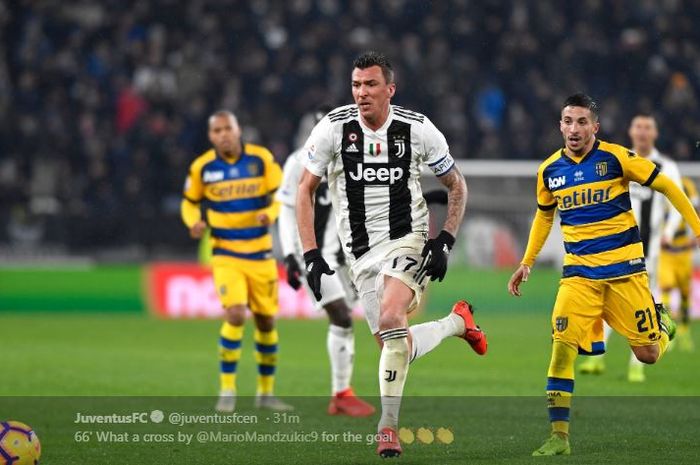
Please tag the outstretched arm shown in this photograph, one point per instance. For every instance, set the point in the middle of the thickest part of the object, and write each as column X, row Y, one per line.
column 679, row 200
column 539, row 231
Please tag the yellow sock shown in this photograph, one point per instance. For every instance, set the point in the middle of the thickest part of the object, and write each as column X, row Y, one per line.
column 560, row 385
column 229, row 354
column 227, row 381
column 684, row 309
column 266, row 357
column 666, row 299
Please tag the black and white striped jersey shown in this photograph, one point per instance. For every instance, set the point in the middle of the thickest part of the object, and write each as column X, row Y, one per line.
column 374, row 176
column 650, row 207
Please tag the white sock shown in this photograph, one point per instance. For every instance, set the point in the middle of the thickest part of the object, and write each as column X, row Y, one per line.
column 427, row 336
column 393, row 367
column 341, row 351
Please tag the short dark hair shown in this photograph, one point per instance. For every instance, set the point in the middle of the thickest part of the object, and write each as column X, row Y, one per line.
column 372, row 58
column 582, row 100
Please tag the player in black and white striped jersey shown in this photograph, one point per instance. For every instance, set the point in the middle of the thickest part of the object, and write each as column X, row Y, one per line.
column 372, row 153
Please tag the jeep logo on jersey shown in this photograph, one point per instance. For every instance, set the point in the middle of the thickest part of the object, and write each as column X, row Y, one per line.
column 213, row 176
column 556, row 182
column 376, row 173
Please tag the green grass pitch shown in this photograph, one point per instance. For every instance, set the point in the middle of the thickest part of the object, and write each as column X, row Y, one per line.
column 55, row 365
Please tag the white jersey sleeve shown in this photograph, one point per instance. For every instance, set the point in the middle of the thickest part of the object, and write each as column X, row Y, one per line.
column 291, row 175
column 287, row 227
column 670, row 169
column 319, row 148
column 436, row 150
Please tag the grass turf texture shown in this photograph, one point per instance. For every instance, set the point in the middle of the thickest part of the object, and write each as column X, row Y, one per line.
column 495, row 409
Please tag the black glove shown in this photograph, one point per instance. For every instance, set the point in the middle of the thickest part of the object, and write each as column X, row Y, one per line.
column 293, row 271
column 437, row 251
column 437, row 196
column 316, row 267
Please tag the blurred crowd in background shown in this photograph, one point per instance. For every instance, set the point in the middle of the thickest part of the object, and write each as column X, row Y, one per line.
column 104, row 104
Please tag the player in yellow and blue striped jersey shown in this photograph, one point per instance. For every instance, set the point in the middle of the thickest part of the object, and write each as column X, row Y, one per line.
column 235, row 183
column 604, row 276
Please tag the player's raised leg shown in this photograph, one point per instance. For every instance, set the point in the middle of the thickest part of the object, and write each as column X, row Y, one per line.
column 341, row 351
column 665, row 332
column 460, row 322
column 631, row 311
column 595, row 364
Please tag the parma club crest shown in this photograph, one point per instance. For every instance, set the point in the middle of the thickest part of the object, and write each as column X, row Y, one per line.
column 561, row 323
column 601, row 168
column 253, row 169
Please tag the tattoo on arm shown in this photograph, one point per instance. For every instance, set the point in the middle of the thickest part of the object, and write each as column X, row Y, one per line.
column 456, row 199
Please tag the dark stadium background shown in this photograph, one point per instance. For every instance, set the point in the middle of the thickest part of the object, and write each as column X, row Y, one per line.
column 104, row 104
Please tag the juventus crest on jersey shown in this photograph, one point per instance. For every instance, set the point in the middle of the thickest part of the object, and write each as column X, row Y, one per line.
column 374, row 176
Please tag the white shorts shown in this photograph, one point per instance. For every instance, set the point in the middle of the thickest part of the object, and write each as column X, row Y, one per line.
column 334, row 287
column 400, row 259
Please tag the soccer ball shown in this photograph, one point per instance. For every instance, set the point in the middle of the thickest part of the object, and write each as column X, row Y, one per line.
column 18, row 444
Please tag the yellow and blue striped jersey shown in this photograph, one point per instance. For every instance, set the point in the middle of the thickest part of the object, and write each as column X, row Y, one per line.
column 601, row 237
column 233, row 195
column 683, row 239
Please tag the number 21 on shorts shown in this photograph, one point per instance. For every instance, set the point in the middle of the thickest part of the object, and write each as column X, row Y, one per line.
column 644, row 320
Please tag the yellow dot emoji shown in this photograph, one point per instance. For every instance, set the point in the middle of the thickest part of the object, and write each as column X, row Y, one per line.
column 444, row 436
column 425, row 436
column 406, row 436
